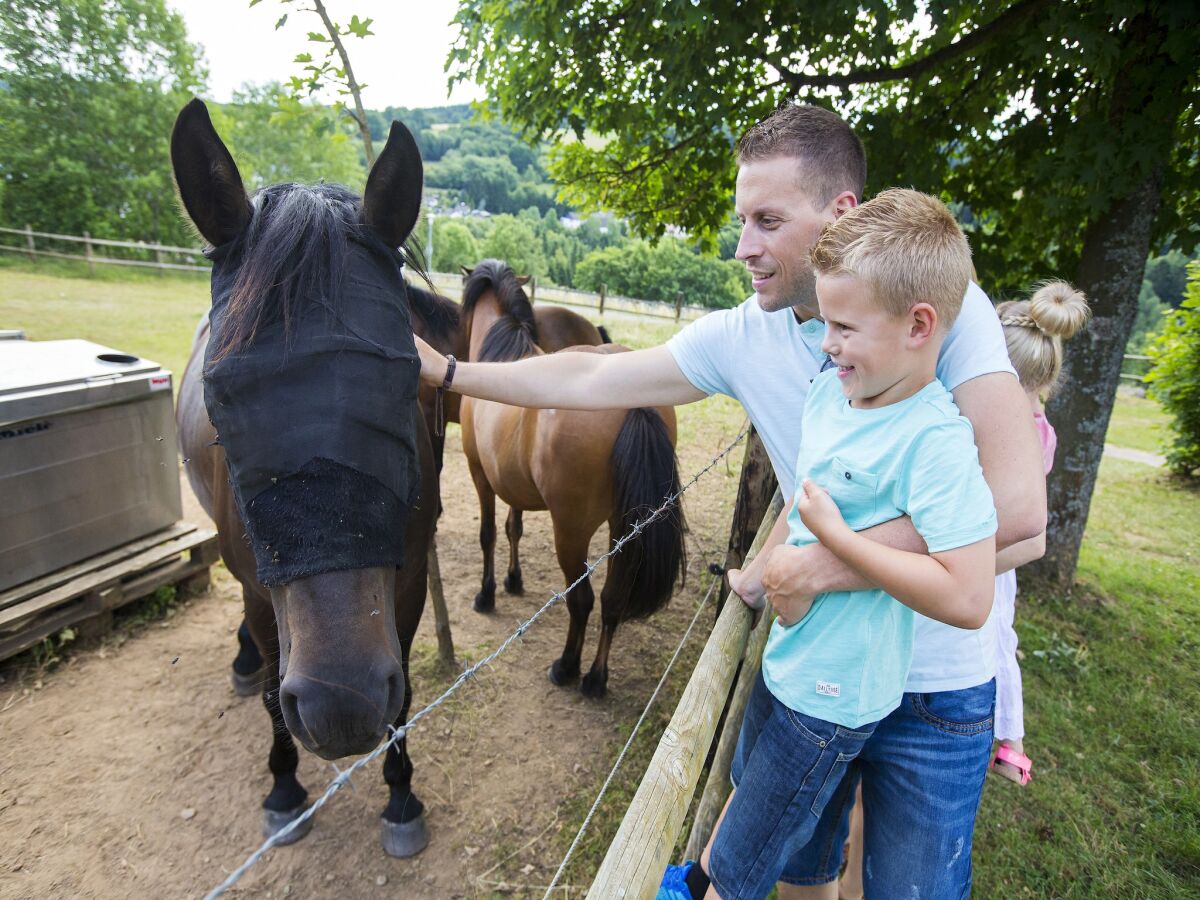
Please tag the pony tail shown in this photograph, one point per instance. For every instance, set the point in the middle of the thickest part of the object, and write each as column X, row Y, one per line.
column 1058, row 309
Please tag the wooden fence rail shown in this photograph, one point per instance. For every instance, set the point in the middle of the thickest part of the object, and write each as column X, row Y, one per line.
column 88, row 256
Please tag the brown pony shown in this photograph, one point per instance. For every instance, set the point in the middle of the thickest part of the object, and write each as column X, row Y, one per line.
column 321, row 482
column 586, row 468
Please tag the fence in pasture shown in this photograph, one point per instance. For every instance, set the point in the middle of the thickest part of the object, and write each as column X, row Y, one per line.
column 24, row 241
column 105, row 252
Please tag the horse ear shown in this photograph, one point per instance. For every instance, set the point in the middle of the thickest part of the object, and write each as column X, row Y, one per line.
column 207, row 178
column 466, row 272
column 522, row 280
column 392, row 200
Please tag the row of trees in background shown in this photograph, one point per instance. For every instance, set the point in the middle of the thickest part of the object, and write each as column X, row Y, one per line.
column 89, row 90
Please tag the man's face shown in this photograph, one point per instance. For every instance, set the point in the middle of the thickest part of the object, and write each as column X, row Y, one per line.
column 868, row 344
column 779, row 227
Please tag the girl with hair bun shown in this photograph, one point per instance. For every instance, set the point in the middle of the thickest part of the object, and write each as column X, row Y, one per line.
column 1034, row 330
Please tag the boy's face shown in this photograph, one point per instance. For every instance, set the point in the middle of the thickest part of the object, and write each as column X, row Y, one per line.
column 779, row 227
column 871, row 347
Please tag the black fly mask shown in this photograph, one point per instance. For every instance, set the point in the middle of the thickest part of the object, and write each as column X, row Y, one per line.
column 310, row 373
column 316, row 414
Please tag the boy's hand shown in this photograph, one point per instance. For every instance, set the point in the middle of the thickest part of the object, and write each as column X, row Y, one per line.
column 818, row 512
column 433, row 364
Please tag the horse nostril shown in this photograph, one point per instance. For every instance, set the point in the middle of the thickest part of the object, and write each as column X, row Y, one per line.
column 289, row 704
column 396, row 687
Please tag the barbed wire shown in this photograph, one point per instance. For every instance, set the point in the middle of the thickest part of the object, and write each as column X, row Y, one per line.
column 397, row 734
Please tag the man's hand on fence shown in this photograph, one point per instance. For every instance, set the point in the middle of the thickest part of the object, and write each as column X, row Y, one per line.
column 749, row 588
column 785, row 582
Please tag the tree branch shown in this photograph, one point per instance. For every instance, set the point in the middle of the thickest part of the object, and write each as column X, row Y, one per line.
column 1017, row 14
column 360, row 116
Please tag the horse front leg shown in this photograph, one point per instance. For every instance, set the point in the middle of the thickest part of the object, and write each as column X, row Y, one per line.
column 514, row 527
column 403, row 831
column 485, row 600
column 571, row 548
column 287, row 798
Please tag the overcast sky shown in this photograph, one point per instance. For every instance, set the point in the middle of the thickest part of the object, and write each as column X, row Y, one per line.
column 401, row 63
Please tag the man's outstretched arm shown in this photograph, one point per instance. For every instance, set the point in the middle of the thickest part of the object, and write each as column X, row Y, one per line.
column 570, row 380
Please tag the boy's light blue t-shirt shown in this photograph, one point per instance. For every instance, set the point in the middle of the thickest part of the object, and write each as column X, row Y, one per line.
column 848, row 659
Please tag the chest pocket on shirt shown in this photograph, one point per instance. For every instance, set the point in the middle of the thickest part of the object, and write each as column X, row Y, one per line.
column 854, row 492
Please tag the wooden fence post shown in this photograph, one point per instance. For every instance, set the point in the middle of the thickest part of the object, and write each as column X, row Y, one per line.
column 441, row 618
column 158, row 258
column 678, row 305
column 29, row 242
column 603, row 291
column 641, row 849
column 87, row 251
column 717, row 786
column 532, row 287
column 755, row 490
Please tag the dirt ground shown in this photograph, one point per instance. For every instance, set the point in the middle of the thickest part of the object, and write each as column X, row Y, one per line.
column 132, row 769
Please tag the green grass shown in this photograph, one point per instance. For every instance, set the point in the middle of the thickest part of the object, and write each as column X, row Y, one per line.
column 1112, row 706
column 1138, row 423
column 147, row 315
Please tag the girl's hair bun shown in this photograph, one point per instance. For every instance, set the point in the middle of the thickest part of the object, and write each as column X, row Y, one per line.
column 1058, row 309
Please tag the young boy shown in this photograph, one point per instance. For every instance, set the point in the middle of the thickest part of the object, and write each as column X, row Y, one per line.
column 881, row 438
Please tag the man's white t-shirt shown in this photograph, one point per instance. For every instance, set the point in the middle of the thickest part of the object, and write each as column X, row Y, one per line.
column 766, row 361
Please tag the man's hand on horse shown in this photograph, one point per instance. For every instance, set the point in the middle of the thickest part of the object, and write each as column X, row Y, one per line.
column 433, row 364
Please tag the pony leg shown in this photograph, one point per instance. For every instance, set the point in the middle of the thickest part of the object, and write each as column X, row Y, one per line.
column 572, row 559
column 246, row 674
column 595, row 682
column 485, row 600
column 288, row 797
column 514, row 528
column 403, row 831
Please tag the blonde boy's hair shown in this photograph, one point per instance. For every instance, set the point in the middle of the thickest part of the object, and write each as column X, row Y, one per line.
column 1034, row 330
column 907, row 246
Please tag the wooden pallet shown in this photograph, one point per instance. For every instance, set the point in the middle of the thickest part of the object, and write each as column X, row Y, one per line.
column 95, row 587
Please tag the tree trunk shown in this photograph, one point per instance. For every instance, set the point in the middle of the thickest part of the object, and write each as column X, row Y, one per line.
column 1110, row 273
column 1111, row 266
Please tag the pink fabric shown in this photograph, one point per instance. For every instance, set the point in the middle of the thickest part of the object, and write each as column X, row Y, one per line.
column 1010, row 723
column 1048, row 438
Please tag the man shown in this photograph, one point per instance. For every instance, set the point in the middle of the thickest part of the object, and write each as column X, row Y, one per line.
column 798, row 170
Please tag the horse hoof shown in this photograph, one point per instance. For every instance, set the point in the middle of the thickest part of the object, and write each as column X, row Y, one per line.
column 514, row 584
column 561, row 674
column 404, row 839
column 275, row 821
column 484, row 603
column 248, row 685
column 594, row 685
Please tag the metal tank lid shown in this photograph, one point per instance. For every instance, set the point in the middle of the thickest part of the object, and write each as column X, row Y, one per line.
column 34, row 365
column 39, row 378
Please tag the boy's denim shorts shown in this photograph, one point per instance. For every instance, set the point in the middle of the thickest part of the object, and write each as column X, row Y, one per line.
column 922, row 772
column 788, row 767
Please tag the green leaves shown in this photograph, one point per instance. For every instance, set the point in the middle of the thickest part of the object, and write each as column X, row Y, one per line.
column 359, row 28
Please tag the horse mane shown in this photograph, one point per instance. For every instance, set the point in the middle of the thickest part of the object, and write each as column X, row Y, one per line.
column 438, row 316
column 294, row 249
column 514, row 334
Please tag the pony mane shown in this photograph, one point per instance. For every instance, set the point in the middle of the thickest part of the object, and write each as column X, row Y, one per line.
column 293, row 252
column 438, row 315
column 514, row 334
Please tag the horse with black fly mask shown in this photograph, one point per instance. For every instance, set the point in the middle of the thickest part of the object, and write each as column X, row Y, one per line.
column 316, row 465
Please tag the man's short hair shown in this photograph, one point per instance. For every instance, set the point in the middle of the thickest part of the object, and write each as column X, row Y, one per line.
column 906, row 246
column 832, row 155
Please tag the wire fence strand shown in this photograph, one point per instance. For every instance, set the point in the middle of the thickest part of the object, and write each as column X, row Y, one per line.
column 343, row 777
